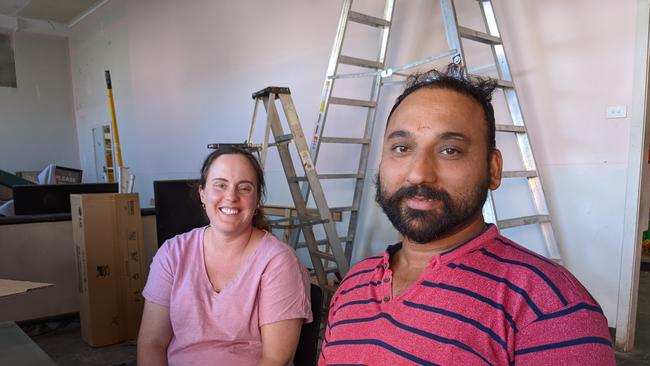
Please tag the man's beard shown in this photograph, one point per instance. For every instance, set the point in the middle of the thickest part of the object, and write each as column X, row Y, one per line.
column 425, row 226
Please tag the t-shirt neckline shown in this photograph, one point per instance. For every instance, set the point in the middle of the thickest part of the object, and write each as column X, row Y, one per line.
column 204, row 269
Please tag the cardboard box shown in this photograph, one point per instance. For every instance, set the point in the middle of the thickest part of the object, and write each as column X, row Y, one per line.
column 107, row 232
column 12, row 287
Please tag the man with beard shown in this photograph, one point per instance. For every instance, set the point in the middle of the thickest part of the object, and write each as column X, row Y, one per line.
column 454, row 291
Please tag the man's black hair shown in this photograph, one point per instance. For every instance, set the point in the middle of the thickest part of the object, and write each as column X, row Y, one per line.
column 456, row 78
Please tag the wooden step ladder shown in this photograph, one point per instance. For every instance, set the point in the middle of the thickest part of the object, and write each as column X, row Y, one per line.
column 327, row 255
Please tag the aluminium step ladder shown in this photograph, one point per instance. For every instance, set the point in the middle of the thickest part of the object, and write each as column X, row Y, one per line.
column 332, row 258
column 381, row 75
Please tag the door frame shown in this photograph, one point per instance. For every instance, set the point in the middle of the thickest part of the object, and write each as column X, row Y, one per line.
column 637, row 197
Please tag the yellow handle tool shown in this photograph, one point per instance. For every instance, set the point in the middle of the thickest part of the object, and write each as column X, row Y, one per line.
column 116, row 135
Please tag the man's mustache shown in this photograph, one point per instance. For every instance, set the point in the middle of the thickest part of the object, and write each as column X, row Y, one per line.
column 420, row 191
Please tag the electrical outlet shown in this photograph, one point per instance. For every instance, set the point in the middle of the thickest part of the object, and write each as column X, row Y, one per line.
column 617, row 111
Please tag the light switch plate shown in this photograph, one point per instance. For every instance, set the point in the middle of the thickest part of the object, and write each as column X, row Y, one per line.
column 617, row 111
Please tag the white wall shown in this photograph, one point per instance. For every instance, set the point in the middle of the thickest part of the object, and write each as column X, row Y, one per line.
column 183, row 75
column 36, row 119
column 571, row 60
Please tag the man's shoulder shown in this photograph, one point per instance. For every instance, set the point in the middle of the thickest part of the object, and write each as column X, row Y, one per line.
column 364, row 269
column 520, row 267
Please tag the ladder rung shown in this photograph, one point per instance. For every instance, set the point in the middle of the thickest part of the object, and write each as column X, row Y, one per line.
column 520, row 174
column 511, row 128
column 342, row 209
column 327, row 270
column 354, row 61
column 328, row 256
column 281, row 220
column 500, row 82
column 309, row 222
column 313, row 221
column 477, row 36
column 353, row 102
column 344, row 140
column 342, row 239
column 521, row 221
column 329, row 176
column 505, row 84
column 282, row 139
column 283, row 226
column 367, row 19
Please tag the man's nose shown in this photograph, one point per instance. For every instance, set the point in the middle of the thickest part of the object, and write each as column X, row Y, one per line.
column 422, row 169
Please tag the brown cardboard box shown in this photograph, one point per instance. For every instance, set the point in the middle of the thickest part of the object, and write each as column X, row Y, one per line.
column 107, row 232
column 12, row 287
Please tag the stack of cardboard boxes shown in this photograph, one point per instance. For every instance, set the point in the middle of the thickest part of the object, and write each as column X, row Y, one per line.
column 107, row 232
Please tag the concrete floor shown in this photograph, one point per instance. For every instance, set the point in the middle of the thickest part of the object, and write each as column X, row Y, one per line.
column 641, row 353
column 61, row 340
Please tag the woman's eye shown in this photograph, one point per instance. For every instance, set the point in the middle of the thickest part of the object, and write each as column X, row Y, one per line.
column 246, row 189
column 221, row 186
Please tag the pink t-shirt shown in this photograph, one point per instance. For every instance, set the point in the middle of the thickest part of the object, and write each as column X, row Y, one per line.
column 224, row 328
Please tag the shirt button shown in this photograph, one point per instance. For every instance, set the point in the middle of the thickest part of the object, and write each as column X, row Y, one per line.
column 386, row 279
column 386, row 299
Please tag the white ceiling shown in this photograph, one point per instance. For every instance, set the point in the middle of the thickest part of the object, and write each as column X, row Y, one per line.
column 58, row 11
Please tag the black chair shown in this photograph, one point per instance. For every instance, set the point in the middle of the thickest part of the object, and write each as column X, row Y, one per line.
column 306, row 352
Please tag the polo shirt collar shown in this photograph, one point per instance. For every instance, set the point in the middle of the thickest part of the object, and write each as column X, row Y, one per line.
column 487, row 235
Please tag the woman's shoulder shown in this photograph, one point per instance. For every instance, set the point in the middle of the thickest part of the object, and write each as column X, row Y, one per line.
column 181, row 243
column 274, row 246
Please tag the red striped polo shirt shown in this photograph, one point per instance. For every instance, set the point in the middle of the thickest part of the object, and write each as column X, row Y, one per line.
column 488, row 301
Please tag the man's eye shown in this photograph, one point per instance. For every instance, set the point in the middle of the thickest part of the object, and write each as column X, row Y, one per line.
column 400, row 149
column 450, row 151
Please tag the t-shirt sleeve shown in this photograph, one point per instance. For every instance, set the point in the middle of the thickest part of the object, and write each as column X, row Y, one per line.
column 284, row 290
column 577, row 334
column 159, row 283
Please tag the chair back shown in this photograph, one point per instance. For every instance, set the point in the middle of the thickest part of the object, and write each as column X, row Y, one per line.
column 306, row 352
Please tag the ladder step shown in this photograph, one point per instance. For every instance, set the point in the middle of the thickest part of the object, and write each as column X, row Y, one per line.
column 342, row 209
column 505, row 84
column 353, row 102
column 327, row 256
column 511, row 128
column 277, row 224
column 368, row 20
column 344, row 140
column 521, row 221
column 271, row 89
column 330, row 176
column 354, row 61
column 282, row 139
column 342, row 239
column 477, row 36
column 327, row 270
column 520, row 174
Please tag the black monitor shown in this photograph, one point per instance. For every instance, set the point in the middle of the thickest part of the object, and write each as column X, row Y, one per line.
column 178, row 208
column 53, row 198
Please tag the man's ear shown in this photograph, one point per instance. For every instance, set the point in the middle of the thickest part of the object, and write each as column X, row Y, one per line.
column 496, row 168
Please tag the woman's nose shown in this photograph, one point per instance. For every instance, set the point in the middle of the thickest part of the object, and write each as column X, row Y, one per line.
column 232, row 193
